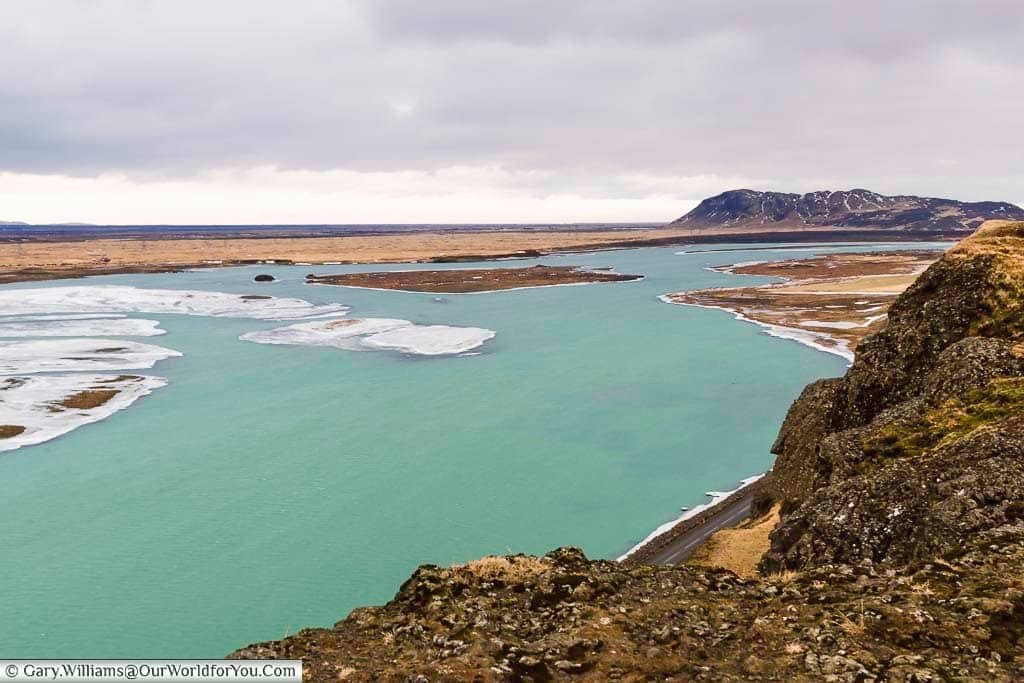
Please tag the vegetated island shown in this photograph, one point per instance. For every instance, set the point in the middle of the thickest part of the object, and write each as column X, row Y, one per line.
column 897, row 554
column 465, row 281
column 832, row 301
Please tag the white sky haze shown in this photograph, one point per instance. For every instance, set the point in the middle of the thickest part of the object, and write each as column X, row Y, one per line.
column 377, row 111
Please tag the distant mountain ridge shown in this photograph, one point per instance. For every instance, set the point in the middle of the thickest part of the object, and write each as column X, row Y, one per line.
column 858, row 209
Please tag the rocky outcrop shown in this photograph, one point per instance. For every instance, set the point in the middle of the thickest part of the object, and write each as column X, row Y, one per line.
column 898, row 556
column 739, row 210
column 562, row 617
column 921, row 445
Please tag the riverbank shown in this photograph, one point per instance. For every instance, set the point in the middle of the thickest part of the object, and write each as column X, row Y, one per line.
column 829, row 303
column 674, row 542
column 46, row 258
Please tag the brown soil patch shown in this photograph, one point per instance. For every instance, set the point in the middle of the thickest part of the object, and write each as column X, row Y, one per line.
column 9, row 431
column 738, row 549
column 835, row 266
column 869, row 284
column 90, row 398
column 477, row 280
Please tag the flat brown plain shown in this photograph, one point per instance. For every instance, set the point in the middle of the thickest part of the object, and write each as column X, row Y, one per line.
column 23, row 261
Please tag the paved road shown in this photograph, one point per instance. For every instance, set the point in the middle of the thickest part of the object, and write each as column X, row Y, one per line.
column 681, row 548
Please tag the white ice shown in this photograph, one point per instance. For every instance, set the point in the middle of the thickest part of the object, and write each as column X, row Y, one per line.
column 841, row 325
column 34, row 403
column 82, row 327
column 85, row 355
column 366, row 334
column 121, row 299
column 430, row 340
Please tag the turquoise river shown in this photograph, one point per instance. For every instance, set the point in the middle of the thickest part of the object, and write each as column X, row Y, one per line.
column 270, row 488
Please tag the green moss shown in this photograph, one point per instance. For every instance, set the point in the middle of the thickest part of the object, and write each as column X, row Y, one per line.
column 1000, row 399
column 1006, row 303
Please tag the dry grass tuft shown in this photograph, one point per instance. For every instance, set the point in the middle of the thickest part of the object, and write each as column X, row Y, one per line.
column 785, row 576
column 854, row 628
column 739, row 549
column 995, row 237
column 508, row 569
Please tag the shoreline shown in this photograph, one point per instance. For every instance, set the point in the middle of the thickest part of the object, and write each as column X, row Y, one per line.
column 666, row 533
column 780, row 331
column 813, row 301
column 42, row 259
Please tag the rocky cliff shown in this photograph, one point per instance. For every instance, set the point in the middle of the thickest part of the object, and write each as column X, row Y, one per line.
column 846, row 210
column 920, row 446
column 899, row 555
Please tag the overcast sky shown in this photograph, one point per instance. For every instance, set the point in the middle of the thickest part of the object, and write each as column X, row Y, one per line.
column 304, row 111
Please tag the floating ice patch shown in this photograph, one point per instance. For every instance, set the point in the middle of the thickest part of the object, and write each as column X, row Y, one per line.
column 430, row 340
column 37, row 409
column 841, row 325
column 367, row 334
column 342, row 333
column 82, row 327
column 70, row 316
column 87, row 355
column 119, row 299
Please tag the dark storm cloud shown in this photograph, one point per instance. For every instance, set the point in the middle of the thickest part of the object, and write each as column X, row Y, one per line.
column 900, row 96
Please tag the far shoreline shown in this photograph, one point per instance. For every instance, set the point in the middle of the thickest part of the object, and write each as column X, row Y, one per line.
column 26, row 259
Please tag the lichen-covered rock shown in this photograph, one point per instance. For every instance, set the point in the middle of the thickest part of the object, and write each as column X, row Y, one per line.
column 934, row 346
column 970, row 364
column 562, row 617
column 808, row 422
column 921, row 445
column 909, row 508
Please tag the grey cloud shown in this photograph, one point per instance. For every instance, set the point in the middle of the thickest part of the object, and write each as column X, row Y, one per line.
column 905, row 96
